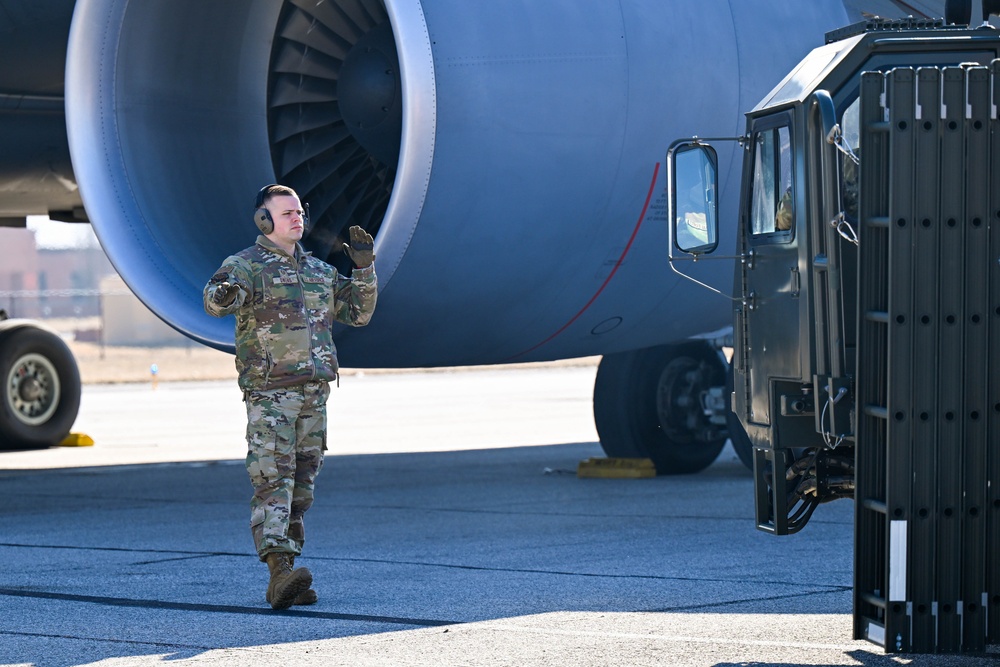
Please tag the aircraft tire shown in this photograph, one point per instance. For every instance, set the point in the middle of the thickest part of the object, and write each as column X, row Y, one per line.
column 41, row 391
column 737, row 435
column 646, row 405
column 612, row 404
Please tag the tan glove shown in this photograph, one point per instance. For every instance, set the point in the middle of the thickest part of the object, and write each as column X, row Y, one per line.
column 360, row 249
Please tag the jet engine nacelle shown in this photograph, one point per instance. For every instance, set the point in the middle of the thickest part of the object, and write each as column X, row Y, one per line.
column 506, row 155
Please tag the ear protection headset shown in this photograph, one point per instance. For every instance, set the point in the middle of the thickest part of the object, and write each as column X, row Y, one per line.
column 261, row 216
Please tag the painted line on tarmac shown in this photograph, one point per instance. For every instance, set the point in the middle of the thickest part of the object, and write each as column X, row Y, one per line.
column 109, row 640
column 728, row 603
column 76, row 547
column 224, row 609
column 185, row 555
column 828, row 588
column 531, row 512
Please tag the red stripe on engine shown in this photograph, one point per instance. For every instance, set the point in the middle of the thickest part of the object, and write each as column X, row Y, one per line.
column 628, row 246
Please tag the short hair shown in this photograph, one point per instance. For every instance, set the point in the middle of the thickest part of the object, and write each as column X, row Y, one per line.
column 274, row 190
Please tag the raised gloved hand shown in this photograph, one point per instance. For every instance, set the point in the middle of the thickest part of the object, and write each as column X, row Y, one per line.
column 225, row 294
column 360, row 249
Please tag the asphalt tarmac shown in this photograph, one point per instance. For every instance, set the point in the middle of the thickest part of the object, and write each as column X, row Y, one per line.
column 449, row 529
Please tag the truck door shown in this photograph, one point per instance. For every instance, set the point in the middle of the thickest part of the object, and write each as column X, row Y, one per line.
column 771, row 275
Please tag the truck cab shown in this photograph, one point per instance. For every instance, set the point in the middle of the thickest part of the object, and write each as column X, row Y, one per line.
column 866, row 314
column 794, row 321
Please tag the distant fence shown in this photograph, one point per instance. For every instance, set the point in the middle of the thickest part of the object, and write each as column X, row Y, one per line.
column 41, row 304
column 111, row 316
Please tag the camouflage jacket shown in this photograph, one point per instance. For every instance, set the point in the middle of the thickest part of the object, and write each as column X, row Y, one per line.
column 285, row 311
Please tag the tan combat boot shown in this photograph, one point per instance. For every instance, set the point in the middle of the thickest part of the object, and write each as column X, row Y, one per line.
column 305, row 597
column 285, row 584
column 297, row 533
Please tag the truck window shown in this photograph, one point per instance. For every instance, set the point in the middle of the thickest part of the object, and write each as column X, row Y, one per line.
column 851, row 128
column 771, row 207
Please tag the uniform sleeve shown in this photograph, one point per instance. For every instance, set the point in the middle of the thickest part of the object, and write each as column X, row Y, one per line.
column 235, row 271
column 354, row 298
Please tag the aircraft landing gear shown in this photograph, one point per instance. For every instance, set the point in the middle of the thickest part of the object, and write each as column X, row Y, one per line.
column 652, row 403
column 40, row 396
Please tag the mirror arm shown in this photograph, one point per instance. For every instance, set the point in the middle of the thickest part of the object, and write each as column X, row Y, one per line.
column 703, row 141
column 694, row 258
column 743, row 141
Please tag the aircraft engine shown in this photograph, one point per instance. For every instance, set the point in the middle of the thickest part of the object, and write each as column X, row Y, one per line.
column 508, row 158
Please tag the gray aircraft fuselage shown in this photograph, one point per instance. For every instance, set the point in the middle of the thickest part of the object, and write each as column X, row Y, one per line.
column 524, row 218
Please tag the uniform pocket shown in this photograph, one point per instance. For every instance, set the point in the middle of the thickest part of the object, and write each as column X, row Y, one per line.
column 261, row 440
column 316, row 293
column 257, row 517
column 261, row 463
column 266, row 357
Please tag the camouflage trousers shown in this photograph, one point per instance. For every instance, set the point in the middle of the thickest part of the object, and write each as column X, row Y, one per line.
column 286, row 438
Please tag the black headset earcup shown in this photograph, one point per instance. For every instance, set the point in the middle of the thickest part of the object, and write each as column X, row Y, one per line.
column 262, row 218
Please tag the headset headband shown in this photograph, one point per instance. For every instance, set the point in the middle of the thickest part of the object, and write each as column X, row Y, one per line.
column 262, row 195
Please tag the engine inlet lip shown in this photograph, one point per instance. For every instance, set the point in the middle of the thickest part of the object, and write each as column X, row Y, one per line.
column 125, row 101
column 419, row 129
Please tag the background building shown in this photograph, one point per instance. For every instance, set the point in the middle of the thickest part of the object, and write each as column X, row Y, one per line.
column 72, row 281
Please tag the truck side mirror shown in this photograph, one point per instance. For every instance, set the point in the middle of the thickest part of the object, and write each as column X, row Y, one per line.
column 694, row 207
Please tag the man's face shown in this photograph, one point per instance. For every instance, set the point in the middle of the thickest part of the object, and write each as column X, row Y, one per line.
column 289, row 225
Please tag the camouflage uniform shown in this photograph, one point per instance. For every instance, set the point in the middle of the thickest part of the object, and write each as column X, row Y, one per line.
column 285, row 310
